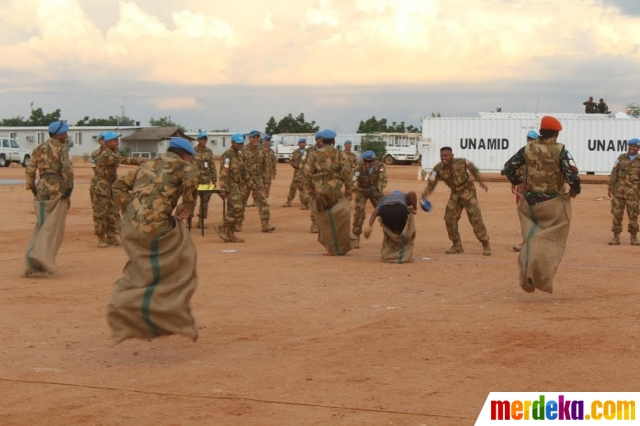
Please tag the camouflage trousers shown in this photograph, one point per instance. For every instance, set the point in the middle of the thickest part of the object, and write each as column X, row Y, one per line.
column 235, row 207
column 360, row 214
column 305, row 191
column 105, row 218
column 618, row 206
column 304, row 195
column 453, row 213
column 203, row 209
column 260, row 196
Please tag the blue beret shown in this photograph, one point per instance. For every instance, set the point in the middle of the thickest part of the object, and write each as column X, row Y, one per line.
column 319, row 135
column 532, row 134
column 368, row 154
column 266, row 137
column 302, row 140
column 101, row 135
column 347, row 142
column 58, row 128
column 110, row 136
column 182, row 143
column 328, row 134
column 202, row 134
column 238, row 138
column 254, row 133
column 633, row 142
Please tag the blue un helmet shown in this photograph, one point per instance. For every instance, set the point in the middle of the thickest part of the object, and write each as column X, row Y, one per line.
column 202, row 135
column 183, row 144
column 238, row 138
column 532, row 134
column 633, row 142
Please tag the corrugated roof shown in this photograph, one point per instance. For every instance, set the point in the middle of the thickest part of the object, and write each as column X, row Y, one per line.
column 155, row 134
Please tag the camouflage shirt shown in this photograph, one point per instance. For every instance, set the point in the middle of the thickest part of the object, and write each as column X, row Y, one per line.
column 456, row 176
column 147, row 196
column 296, row 158
column 232, row 172
column 625, row 177
column 95, row 155
column 272, row 160
column 107, row 170
column 353, row 160
column 52, row 161
column 327, row 169
column 205, row 163
column 370, row 180
column 547, row 170
column 256, row 165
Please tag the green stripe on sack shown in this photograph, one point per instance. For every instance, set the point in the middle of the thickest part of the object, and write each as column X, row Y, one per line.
column 402, row 247
column 146, row 301
column 334, row 233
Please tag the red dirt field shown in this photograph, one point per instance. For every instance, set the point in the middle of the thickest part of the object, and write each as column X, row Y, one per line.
column 291, row 337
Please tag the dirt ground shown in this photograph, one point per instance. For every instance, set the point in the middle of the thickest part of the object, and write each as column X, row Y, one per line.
column 290, row 337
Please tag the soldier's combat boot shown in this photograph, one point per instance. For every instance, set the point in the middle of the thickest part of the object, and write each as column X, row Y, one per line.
column 112, row 240
column 634, row 240
column 616, row 239
column 266, row 227
column 356, row 242
column 231, row 237
column 314, row 228
column 304, row 207
column 221, row 230
column 102, row 242
column 486, row 249
column 287, row 204
column 456, row 248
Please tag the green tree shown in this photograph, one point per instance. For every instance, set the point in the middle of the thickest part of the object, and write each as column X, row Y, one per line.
column 219, row 131
column 39, row 118
column 111, row 121
column 165, row 122
column 289, row 124
column 634, row 110
column 17, row 121
column 373, row 125
column 374, row 143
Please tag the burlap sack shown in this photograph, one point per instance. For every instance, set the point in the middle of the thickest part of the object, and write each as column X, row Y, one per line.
column 47, row 235
column 153, row 297
column 398, row 248
column 545, row 229
column 334, row 227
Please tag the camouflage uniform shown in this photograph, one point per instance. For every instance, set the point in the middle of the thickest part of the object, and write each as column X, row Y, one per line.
column 256, row 166
column 106, row 215
column 326, row 171
column 147, row 196
column 624, row 184
column 297, row 162
column 353, row 160
column 272, row 162
column 463, row 196
column 205, row 163
column 370, row 185
column 92, row 189
column 52, row 161
column 232, row 181
column 305, row 199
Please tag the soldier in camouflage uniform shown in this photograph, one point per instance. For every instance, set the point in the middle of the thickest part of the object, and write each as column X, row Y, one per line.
column 454, row 172
column 590, row 107
column 148, row 196
column 370, row 181
column 106, row 216
column 297, row 163
column 302, row 185
column 624, row 190
column 93, row 157
column 257, row 171
column 205, row 163
column 353, row 159
column 232, row 182
column 326, row 172
column 271, row 159
column 522, row 173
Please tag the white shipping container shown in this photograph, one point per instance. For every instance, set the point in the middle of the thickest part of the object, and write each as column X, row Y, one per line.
column 594, row 140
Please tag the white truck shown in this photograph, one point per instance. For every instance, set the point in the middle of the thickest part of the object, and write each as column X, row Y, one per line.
column 284, row 144
column 594, row 140
column 402, row 148
column 11, row 152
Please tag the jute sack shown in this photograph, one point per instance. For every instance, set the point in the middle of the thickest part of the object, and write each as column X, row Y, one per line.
column 334, row 227
column 47, row 235
column 545, row 229
column 399, row 248
column 153, row 297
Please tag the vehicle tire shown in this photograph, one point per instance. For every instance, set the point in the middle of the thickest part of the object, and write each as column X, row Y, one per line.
column 3, row 161
column 388, row 160
column 26, row 161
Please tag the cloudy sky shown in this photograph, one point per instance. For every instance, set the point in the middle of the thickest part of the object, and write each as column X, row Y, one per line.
column 233, row 64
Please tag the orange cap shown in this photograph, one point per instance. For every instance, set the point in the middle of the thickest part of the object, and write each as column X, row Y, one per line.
column 550, row 123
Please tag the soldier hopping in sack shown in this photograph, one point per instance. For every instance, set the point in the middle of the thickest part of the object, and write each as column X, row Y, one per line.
column 153, row 297
column 52, row 194
column 370, row 181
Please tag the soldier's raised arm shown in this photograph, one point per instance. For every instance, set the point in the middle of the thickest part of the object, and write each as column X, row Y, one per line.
column 434, row 178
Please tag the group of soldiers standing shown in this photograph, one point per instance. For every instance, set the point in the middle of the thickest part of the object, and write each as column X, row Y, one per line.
column 590, row 107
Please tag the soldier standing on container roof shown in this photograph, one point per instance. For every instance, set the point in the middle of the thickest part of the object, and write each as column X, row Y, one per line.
column 624, row 190
column 297, row 163
column 590, row 107
column 205, row 163
column 272, row 160
column 257, row 169
column 232, row 181
column 370, row 181
column 454, row 172
column 602, row 107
